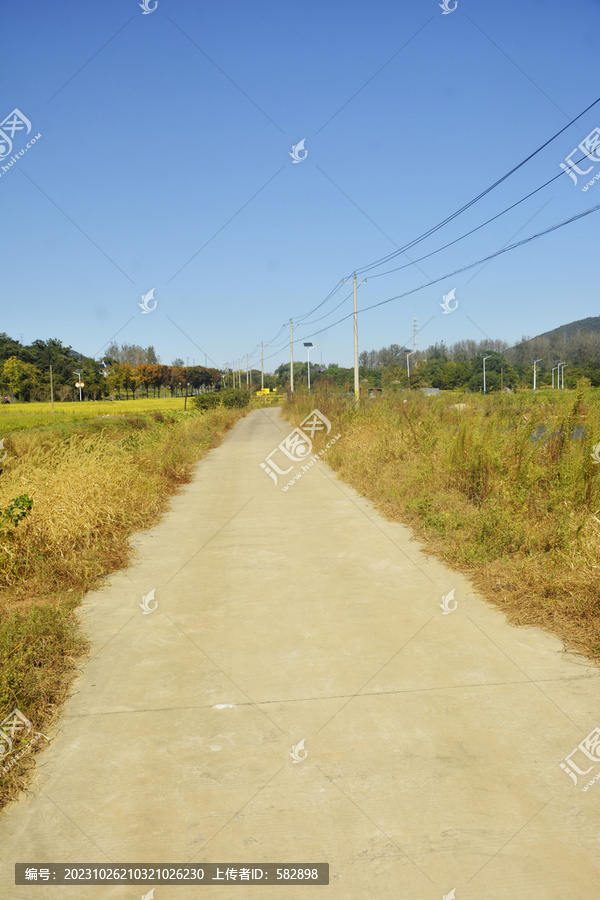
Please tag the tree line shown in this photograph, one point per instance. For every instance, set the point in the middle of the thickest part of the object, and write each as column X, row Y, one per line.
column 125, row 371
column 129, row 370
column 460, row 366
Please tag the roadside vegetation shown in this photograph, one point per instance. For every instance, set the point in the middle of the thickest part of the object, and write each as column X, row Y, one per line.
column 73, row 488
column 503, row 488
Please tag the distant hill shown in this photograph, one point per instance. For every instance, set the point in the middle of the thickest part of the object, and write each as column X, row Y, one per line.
column 591, row 324
column 577, row 344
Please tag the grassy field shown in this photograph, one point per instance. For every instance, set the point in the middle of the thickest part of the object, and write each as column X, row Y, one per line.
column 503, row 488
column 23, row 416
column 96, row 473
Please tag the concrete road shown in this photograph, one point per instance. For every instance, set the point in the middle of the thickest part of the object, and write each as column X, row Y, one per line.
column 431, row 741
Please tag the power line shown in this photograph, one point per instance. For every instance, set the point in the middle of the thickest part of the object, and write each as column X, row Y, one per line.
column 331, row 311
column 328, row 297
column 436, row 228
column 448, row 219
column 458, row 212
column 473, row 230
column 465, row 268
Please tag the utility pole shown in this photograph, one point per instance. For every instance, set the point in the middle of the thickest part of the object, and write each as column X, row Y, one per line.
column 354, row 283
column 262, row 368
column 247, row 373
column 291, row 356
column 51, row 390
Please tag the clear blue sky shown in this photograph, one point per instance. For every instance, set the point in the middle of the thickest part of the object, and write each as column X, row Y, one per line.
column 167, row 136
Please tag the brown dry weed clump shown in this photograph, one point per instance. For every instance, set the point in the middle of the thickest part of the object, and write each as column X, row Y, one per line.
column 93, row 484
column 502, row 488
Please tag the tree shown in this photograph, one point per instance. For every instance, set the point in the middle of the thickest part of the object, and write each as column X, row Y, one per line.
column 198, row 376
column 493, row 377
column 128, row 379
column 20, row 377
column 8, row 347
column 132, row 354
column 176, row 379
column 144, row 374
column 120, row 378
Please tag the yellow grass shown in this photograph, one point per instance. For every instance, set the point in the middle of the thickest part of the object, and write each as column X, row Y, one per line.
column 17, row 416
column 93, row 481
column 519, row 515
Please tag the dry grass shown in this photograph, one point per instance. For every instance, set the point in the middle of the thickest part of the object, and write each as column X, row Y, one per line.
column 93, row 483
column 520, row 516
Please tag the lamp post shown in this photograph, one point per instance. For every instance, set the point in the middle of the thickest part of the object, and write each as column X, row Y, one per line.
column 308, row 345
column 78, row 373
column 408, row 353
column 563, row 374
column 535, row 362
column 484, row 359
column 553, row 371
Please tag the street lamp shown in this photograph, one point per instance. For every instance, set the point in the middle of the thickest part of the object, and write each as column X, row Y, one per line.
column 78, row 372
column 553, row 371
column 408, row 353
column 535, row 362
column 563, row 374
column 308, row 345
column 484, row 359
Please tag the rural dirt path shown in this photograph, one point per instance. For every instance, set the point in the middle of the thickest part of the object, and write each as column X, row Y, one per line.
column 432, row 741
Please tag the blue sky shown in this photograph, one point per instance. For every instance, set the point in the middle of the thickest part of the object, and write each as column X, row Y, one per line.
column 164, row 163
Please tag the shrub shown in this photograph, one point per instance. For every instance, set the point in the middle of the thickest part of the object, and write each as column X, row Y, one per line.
column 234, row 398
column 205, row 401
